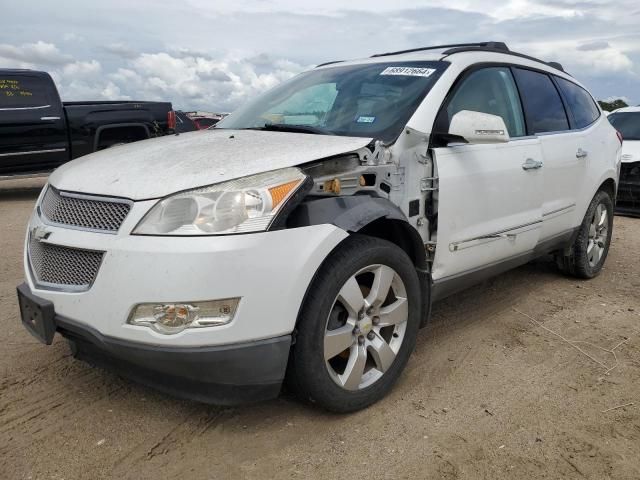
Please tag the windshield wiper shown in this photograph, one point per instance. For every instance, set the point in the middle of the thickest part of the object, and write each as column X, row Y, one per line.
column 283, row 127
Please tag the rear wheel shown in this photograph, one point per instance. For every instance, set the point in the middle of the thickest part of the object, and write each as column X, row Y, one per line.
column 357, row 327
column 591, row 246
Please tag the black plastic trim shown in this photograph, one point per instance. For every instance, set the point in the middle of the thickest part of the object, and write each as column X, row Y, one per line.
column 102, row 128
column 328, row 63
column 498, row 46
column 447, row 286
column 280, row 221
column 221, row 375
column 554, row 65
column 348, row 213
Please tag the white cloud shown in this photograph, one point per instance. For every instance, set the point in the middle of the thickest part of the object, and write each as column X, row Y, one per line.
column 41, row 53
column 188, row 79
column 121, row 50
column 593, row 59
column 82, row 70
column 214, row 55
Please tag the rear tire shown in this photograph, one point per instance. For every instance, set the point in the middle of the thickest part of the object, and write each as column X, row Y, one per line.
column 357, row 326
column 589, row 251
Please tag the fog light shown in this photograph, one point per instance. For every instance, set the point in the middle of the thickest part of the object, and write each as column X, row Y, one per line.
column 171, row 318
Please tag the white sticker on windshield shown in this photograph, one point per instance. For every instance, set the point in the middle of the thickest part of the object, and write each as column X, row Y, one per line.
column 365, row 119
column 408, row 71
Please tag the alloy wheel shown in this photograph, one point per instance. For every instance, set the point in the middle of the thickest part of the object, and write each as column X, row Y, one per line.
column 366, row 327
column 598, row 235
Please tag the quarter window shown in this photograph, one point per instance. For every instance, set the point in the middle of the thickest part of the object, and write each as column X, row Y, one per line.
column 542, row 104
column 490, row 90
column 580, row 103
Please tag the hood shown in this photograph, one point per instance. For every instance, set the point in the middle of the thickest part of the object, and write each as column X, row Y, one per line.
column 161, row 166
column 630, row 151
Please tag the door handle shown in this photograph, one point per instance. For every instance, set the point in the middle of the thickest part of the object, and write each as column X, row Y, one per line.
column 581, row 153
column 531, row 164
column 49, row 119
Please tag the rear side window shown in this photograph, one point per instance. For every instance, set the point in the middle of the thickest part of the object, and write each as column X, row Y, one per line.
column 22, row 92
column 580, row 103
column 542, row 104
column 627, row 123
column 490, row 90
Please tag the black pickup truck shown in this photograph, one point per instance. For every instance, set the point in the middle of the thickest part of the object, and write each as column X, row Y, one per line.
column 38, row 132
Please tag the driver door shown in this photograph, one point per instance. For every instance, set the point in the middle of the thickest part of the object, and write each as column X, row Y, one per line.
column 489, row 205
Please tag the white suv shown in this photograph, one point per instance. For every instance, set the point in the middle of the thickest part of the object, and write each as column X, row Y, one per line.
column 307, row 235
column 627, row 122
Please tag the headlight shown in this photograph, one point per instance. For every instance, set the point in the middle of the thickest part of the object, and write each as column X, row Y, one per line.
column 247, row 204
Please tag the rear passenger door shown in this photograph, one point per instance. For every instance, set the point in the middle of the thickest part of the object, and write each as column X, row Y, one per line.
column 489, row 205
column 32, row 128
column 564, row 166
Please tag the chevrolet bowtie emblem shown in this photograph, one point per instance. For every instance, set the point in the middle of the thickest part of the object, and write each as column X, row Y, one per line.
column 40, row 233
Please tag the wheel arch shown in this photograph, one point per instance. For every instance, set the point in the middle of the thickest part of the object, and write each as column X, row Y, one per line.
column 371, row 216
column 126, row 127
column 609, row 186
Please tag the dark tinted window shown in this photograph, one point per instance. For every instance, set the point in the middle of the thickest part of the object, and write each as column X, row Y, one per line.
column 542, row 104
column 20, row 92
column 627, row 123
column 490, row 90
column 582, row 106
column 206, row 122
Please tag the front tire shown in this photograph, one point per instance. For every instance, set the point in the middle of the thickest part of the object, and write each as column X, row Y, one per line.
column 357, row 326
column 589, row 251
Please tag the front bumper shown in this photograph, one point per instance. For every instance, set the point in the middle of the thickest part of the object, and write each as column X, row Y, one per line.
column 221, row 375
column 268, row 271
column 628, row 198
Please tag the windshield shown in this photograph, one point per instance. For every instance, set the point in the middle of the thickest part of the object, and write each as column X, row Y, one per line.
column 371, row 100
column 627, row 123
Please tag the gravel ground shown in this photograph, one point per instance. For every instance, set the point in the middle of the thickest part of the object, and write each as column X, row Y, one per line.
column 516, row 378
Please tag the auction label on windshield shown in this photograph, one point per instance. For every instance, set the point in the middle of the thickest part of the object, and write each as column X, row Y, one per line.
column 408, row 71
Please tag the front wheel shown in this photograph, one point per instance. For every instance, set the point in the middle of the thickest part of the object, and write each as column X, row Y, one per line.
column 357, row 327
column 591, row 246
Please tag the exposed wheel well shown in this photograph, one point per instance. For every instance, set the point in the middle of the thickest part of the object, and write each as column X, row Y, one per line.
column 609, row 186
column 407, row 238
column 109, row 136
column 401, row 234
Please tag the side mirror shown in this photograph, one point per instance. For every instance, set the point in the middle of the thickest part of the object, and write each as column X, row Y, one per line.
column 478, row 127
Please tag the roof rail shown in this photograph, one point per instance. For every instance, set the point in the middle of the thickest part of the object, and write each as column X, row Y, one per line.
column 328, row 63
column 474, row 48
column 489, row 45
column 556, row 65
column 495, row 47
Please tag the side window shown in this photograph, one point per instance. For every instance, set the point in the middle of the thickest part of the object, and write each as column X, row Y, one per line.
column 490, row 90
column 22, row 92
column 542, row 104
column 580, row 103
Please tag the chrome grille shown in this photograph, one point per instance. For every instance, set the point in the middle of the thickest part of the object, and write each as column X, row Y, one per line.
column 58, row 266
column 84, row 211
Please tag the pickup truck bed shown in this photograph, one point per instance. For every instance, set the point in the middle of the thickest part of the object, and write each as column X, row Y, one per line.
column 38, row 132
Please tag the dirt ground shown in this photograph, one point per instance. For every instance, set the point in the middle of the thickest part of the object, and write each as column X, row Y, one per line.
column 498, row 388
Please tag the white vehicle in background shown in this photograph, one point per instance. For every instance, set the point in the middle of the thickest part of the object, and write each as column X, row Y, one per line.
column 306, row 236
column 627, row 122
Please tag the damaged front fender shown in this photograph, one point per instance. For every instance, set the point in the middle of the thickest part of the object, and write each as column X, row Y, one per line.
column 348, row 213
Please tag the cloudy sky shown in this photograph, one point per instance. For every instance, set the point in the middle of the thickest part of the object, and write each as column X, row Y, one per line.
column 212, row 55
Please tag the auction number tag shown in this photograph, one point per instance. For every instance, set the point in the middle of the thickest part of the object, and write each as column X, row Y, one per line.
column 408, row 71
